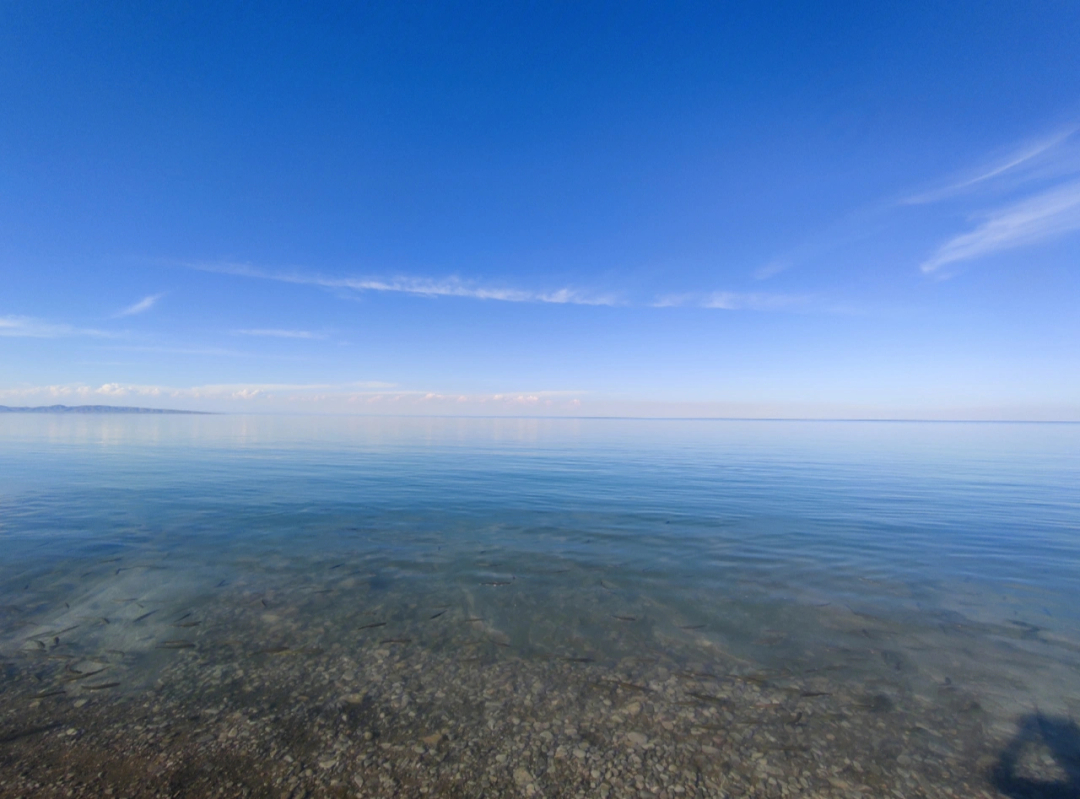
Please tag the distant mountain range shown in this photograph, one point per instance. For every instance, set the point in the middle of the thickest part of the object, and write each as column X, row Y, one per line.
column 88, row 409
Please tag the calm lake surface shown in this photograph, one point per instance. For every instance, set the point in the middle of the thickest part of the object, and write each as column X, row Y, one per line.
column 738, row 590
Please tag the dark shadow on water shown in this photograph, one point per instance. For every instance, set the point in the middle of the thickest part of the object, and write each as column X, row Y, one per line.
column 1017, row 773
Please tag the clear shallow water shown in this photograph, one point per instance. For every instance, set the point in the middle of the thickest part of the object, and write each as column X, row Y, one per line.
column 900, row 559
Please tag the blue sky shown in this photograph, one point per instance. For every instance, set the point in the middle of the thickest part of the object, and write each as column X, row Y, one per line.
column 787, row 209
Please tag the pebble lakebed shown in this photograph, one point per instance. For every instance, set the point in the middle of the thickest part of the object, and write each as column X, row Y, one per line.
column 267, row 694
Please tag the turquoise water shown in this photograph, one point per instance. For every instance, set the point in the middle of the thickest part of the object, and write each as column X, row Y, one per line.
column 906, row 555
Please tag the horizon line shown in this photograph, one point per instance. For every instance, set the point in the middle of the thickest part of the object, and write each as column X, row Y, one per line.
column 106, row 408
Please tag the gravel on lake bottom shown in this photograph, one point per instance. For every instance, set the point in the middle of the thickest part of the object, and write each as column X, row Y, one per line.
column 235, row 710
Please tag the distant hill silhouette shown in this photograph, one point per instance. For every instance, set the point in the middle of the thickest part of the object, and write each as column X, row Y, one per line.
column 89, row 409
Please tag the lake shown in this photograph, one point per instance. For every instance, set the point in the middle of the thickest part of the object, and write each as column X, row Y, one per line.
column 273, row 605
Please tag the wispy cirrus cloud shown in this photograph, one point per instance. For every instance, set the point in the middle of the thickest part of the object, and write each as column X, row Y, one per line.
column 29, row 327
column 421, row 287
column 454, row 287
column 1021, row 198
column 1051, row 156
column 773, row 268
column 734, row 301
column 142, row 306
column 1030, row 196
column 276, row 333
column 1039, row 218
column 210, row 351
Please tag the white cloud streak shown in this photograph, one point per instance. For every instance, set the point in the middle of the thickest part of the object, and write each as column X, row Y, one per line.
column 274, row 333
column 733, row 301
column 211, row 351
column 1042, row 158
column 422, row 287
column 1037, row 196
column 454, row 287
column 28, row 327
column 1045, row 216
column 142, row 306
column 773, row 268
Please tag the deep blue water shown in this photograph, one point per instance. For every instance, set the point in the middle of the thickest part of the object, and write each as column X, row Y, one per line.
column 775, row 540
